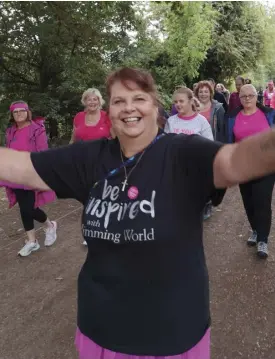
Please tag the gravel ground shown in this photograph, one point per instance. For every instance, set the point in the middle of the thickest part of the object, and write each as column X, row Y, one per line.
column 38, row 293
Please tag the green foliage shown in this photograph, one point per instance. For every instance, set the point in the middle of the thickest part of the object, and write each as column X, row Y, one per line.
column 189, row 26
column 52, row 51
column 238, row 40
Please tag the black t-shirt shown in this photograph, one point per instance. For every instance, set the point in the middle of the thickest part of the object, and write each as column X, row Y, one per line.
column 143, row 288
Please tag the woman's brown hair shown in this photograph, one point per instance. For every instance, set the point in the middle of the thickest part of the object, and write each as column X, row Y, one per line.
column 202, row 84
column 190, row 95
column 29, row 114
column 143, row 79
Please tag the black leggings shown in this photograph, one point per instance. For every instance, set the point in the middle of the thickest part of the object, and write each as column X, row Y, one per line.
column 257, row 197
column 26, row 201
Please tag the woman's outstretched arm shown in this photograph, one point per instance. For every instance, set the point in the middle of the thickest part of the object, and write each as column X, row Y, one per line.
column 16, row 166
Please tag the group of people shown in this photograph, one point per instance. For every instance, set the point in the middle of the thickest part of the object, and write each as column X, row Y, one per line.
column 197, row 112
column 143, row 290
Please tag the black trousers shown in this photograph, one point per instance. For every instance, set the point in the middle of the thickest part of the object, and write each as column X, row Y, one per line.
column 257, row 197
column 26, row 201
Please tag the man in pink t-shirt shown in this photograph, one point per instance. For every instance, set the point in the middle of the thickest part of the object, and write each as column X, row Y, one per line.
column 269, row 93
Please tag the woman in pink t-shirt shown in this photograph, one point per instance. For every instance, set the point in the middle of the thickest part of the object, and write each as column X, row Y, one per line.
column 93, row 123
column 27, row 135
column 269, row 94
column 253, row 118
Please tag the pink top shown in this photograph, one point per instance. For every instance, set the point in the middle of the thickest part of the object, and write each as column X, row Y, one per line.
column 249, row 125
column 272, row 102
column 20, row 140
column 85, row 133
column 206, row 114
column 268, row 96
column 31, row 138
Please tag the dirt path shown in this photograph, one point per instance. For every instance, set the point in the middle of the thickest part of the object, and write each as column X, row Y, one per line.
column 38, row 293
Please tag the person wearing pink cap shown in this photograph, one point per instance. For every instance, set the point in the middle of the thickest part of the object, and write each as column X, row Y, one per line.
column 269, row 93
column 23, row 134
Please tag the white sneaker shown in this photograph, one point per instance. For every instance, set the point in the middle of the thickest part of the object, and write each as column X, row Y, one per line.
column 262, row 250
column 252, row 240
column 50, row 235
column 84, row 243
column 28, row 248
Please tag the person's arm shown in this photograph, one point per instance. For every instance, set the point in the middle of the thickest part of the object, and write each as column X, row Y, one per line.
column 224, row 102
column 252, row 158
column 68, row 171
column 213, row 167
column 17, row 166
column 41, row 140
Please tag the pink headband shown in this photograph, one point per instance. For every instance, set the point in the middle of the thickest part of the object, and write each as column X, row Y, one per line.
column 19, row 105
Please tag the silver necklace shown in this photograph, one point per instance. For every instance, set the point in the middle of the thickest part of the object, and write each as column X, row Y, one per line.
column 127, row 176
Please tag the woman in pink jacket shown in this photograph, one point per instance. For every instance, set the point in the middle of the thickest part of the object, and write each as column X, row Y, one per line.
column 27, row 135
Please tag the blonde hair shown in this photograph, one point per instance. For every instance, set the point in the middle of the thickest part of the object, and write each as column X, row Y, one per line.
column 92, row 91
column 190, row 95
column 222, row 86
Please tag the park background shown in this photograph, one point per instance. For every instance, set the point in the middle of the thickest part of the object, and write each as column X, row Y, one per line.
column 50, row 52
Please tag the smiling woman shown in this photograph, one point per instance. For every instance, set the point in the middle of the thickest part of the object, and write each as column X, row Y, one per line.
column 250, row 119
column 92, row 123
column 133, row 109
column 143, row 290
column 211, row 109
column 27, row 135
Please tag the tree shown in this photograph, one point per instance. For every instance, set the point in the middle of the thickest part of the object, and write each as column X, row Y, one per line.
column 52, row 51
column 172, row 41
column 238, row 40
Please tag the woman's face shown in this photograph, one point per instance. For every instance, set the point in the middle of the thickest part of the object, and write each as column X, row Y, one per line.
column 271, row 86
column 92, row 102
column 248, row 97
column 20, row 115
column 204, row 95
column 238, row 84
column 132, row 112
column 219, row 88
column 182, row 103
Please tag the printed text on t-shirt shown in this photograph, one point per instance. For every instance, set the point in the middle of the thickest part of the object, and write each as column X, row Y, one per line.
column 109, row 207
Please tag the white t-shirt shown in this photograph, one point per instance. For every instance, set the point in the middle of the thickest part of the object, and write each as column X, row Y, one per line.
column 193, row 125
